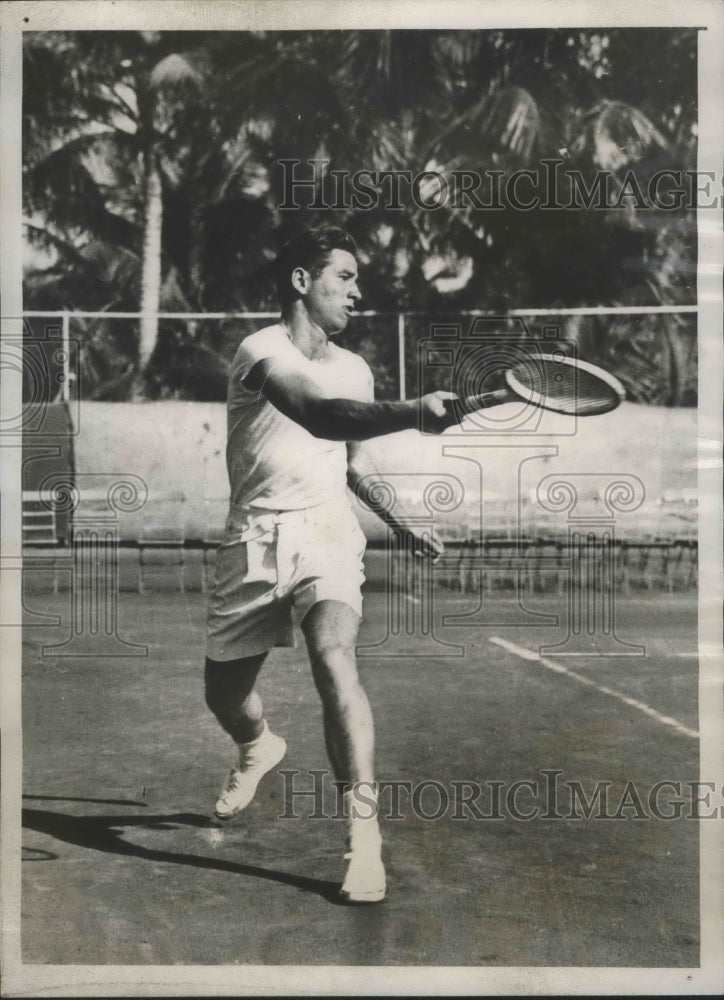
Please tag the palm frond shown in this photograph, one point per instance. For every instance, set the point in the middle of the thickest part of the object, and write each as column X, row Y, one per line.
column 614, row 135
column 501, row 129
column 174, row 71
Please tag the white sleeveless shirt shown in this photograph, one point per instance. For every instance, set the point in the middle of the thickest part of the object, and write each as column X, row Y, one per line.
column 273, row 462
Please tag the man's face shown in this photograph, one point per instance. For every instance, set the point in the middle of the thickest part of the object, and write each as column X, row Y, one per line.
column 332, row 294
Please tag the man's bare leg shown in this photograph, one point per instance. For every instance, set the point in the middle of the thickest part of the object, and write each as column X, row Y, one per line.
column 232, row 697
column 330, row 629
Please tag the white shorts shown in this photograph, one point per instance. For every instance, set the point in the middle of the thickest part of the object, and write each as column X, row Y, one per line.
column 271, row 562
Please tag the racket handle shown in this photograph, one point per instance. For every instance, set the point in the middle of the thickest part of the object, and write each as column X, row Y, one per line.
column 484, row 400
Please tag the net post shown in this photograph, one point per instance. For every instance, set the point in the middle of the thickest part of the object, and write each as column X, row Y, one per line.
column 401, row 353
column 65, row 388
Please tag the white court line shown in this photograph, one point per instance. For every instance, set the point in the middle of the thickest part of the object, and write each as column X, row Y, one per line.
column 557, row 668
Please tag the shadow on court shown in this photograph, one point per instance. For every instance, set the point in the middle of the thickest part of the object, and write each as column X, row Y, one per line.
column 105, row 834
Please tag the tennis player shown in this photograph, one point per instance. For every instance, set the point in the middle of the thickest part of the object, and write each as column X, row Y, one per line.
column 298, row 406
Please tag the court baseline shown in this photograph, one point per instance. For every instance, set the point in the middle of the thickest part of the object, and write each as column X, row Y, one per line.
column 557, row 668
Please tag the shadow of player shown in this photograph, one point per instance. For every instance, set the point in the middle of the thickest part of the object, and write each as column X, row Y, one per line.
column 105, row 834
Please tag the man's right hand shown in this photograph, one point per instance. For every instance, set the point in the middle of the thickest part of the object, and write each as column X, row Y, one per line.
column 437, row 412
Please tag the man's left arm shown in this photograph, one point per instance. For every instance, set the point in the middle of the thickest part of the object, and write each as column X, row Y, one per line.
column 362, row 476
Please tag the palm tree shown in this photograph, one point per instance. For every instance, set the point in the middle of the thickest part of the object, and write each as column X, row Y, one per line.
column 111, row 134
column 150, row 192
column 172, row 81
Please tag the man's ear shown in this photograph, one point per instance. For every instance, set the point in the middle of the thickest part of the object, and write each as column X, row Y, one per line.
column 300, row 280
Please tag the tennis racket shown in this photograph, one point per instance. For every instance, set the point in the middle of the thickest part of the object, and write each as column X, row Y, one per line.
column 553, row 382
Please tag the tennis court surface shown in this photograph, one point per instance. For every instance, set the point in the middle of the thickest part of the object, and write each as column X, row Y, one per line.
column 122, row 762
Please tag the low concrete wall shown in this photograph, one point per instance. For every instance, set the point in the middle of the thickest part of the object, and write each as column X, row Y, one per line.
column 178, row 450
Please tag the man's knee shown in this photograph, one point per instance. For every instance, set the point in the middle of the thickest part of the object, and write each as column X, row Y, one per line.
column 335, row 670
column 227, row 685
column 336, row 657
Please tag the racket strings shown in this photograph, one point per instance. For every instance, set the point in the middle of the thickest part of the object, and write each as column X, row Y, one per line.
column 566, row 388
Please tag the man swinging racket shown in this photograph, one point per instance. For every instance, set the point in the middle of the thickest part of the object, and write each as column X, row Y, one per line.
column 297, row 407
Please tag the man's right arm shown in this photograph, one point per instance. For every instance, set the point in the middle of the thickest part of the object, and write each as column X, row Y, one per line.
column 339, row 419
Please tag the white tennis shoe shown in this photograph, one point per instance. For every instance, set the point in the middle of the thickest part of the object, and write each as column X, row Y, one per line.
column 255, row 760
column 365, row 880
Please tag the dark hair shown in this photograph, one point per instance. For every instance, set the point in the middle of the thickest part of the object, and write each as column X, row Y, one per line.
column 309, row 248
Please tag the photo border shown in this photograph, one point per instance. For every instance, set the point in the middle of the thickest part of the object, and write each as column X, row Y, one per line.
column 36, row 980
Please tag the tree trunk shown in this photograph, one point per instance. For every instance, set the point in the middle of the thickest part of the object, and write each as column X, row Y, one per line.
column 151, row 267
